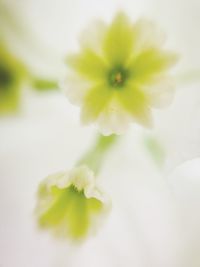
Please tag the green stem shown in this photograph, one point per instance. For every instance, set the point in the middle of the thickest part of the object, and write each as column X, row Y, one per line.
column 155, row 149
column 95, row 156
column 43, row 84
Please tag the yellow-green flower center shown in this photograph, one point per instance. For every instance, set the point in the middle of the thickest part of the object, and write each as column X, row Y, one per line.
column 6, row 78
column 117, row 77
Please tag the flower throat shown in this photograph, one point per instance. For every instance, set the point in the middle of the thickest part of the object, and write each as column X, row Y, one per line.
column 117, row 77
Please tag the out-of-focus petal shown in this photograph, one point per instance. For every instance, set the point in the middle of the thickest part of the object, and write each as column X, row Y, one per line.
column 178, row 127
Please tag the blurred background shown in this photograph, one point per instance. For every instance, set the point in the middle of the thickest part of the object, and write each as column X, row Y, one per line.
column 155, row 219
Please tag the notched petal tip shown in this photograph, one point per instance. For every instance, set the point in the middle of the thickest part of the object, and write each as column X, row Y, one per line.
column 113, row 120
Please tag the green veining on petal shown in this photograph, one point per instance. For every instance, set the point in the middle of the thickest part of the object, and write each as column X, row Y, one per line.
column 118, row 40
column 88, row 64
column 136, row 103
column 56, row 212
column 71, row 210
column 95, row 101
column 149, row 63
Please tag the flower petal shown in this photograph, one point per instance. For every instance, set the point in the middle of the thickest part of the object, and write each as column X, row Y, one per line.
column 95, row 102
column 88, row 64
column 136, row 103
column 113, row 119
column 147, row 35
column 119, row 40
column 151, row 62
column 82, row 177
column 93, row 36
column 161, row 92
column 55, row 212
column 77, row 215
column 75, row 88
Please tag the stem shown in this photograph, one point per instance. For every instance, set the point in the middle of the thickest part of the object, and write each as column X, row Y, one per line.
column 95, row 156
column 43, row 84
column 155, row 149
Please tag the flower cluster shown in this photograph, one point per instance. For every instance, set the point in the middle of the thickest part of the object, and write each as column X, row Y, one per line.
column 119, row 75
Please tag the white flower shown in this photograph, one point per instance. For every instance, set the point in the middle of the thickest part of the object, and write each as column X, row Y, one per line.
column 70, row 203
column 120, row 74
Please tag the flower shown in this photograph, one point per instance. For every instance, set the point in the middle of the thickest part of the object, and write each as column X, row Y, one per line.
column 70, row 203
column 12, row 74
column 120, row 74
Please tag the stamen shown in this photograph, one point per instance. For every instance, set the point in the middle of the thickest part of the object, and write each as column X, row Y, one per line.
column 117, row 77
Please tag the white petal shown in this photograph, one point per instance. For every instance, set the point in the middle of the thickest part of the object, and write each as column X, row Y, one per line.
column 144, row 118
column 161, row 92
column 82, row 177
column 95, row 192
column 75, row 88
column 92, row 36
column 113, row 120
column 60, row 179
column 148, row 34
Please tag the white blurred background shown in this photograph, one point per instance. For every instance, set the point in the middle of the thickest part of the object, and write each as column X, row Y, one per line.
column 155, row 219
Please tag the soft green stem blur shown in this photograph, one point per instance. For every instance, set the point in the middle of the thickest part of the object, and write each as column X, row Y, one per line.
column 95, row 156
column 43, row 84
column 155, row 150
